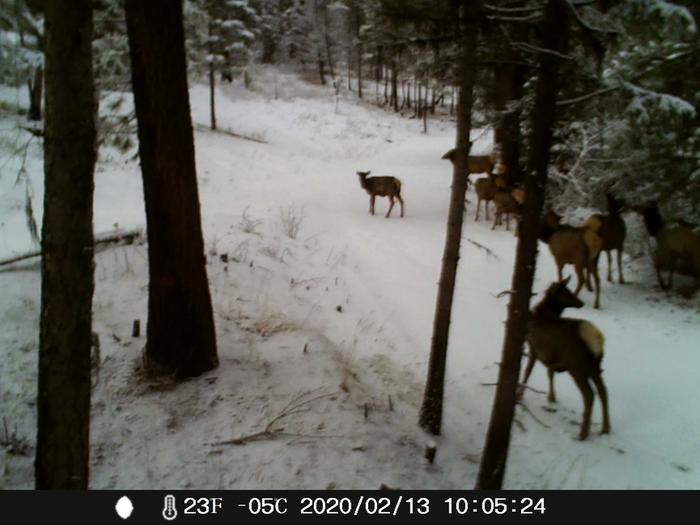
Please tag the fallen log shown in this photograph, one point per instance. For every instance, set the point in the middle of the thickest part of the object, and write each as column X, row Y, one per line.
column 125, row 236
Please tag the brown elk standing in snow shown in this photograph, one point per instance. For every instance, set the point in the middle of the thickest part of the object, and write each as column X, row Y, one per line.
column 579, row 246
column 508, row 200
column 382, row 186
column 475, row 163
column 677, row 248
column 613, row 232
column 566, row 344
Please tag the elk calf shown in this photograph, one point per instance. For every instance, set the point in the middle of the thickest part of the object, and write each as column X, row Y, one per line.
column 382, row 186
column 565, row 344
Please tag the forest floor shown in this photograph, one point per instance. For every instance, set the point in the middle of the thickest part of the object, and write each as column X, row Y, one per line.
column 324, row 320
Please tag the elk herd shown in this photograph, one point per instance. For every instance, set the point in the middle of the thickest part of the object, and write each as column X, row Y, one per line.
column 560, row 343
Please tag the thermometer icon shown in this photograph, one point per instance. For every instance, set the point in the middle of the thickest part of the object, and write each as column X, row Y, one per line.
column 169, row 510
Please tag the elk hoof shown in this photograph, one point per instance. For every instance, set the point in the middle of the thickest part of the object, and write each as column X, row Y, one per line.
column 606, row 430
column 582, row 436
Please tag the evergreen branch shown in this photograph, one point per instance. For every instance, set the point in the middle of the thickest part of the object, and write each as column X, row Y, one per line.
column 524, row 46
column 587, row 96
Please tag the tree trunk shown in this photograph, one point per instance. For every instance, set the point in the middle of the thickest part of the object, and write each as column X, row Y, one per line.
column 394, row 84
column 212, row 81
column 321, row 71
column 67, row 275
column 555, row 37
column 35, row 88
column 180, row 335
column 327, row 39
column 431, row 410
column 359, row 70
column 386, row 88
column 419, row 101
column 508, row 88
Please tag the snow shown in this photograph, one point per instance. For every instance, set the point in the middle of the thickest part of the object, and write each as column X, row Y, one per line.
column 335, row 323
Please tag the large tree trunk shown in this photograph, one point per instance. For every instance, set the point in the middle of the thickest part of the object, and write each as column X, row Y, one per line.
column 555, row 37
column 181, row 339
column 431, row 410
column 67, row 276
column 35, row 87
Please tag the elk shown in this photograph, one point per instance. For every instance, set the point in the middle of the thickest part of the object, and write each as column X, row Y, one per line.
column 579, row 246
column 613, row 232
column 485, row 189
column 475, row 163
column 507, row 200
column 674, row 246
column 566, row 344
column 382, row 186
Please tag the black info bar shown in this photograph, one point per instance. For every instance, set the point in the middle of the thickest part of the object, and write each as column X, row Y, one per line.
column 252, row 506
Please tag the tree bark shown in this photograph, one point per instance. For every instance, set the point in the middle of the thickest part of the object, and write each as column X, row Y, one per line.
column 359, row 70
column 212, row 81
column 554, row 32
column 181, row 339
column 508, row 89
column 394, row 84
column 431, row 410
column 321, row 70
column 67, row 275
column 35, row 89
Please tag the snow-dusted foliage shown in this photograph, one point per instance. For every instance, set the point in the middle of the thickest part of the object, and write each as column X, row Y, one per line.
column 21, row 35
column 634, row 131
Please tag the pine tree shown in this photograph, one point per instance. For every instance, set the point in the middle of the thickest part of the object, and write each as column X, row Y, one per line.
column 67, row 273
column 181, row 340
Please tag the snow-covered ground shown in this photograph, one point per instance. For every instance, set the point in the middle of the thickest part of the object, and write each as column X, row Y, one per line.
column 324, row 318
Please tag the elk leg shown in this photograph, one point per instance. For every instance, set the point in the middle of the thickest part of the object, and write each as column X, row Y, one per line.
column 486, row 206
column 371, row 204
column 603, row 393
column 596, row 280
column 550, row 396
column 587, row 273
column 619, row 265
column 671, row 267
column 478, row 206
column 400, row 202
column 587, row 393
column 580, row 277
column 391, row 200
column 528, row 371
column 657, row 267
column 610, row 265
